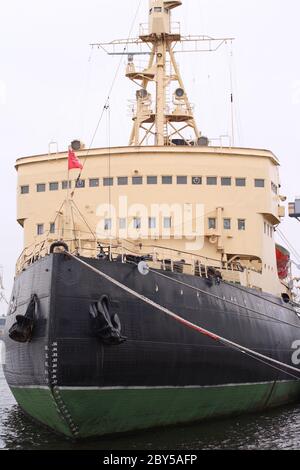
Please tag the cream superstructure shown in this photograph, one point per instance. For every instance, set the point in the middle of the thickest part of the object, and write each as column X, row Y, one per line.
column 236, row 190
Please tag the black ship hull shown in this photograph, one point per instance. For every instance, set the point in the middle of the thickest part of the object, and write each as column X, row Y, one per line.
column 162, row 373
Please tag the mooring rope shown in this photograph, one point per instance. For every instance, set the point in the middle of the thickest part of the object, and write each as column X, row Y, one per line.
column 256, row 355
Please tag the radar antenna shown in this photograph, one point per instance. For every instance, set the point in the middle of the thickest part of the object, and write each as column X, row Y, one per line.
column 163, row 122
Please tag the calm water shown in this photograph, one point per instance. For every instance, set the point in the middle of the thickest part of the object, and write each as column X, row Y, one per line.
column 278, row 429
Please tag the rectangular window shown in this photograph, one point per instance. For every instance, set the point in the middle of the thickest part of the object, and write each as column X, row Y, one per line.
column 212, row 223
column 107, row 224
column 53, row 186
column 41, row 188
column 167, row 179
column 122, row 223
column 259, row 183
column 240, row 182
column 64, row 185
column 152, row 222
column 52, row 227
column 40, row 229
column 94, row 182
column 108, row 181
column 158, row 9
column 137, row 180
column 274, row 188
column 181, row 179
column 122, row 181
column 80, row 184
column 241, row 224
column 211, row 180
column 265, row 227
column 167, row 222
column 137, row 222
column 227, row 224
column 226, row 181
column 24, row 189
column 197, row 180
column 151, row 179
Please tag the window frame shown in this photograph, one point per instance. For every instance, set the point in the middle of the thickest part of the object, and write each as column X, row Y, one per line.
column 24, row 189
column 239, row 180
column 108, row 181
column 38, row 231
column 135, row 180
column 92, row 181
column 181, row 180
column 167, row 180
column 152, row 180
column 54, row 186
column 257, row 185
column 226, row 179
column 39, row 186
column 242, row 228
column 209, row 180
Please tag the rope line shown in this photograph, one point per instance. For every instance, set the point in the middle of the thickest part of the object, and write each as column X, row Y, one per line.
column 203, row 331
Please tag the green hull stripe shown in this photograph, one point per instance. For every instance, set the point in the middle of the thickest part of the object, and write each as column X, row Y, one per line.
column 97, row 412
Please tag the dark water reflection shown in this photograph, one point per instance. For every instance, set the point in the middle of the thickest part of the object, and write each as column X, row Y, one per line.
column 278, row 429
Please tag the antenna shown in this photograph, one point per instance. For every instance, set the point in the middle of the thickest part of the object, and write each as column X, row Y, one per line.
column 160, row 39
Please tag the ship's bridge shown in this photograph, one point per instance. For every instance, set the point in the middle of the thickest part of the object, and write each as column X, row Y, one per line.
column 221, row 203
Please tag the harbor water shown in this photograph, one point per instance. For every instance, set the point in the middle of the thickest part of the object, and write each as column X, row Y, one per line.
column 278, row 430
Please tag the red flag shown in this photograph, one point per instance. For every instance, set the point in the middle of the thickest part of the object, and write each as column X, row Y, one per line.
column 73, row 161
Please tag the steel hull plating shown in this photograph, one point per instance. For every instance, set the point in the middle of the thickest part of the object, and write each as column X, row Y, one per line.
column 164, row 373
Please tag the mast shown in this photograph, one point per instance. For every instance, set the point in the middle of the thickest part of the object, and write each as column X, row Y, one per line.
column 156, row 117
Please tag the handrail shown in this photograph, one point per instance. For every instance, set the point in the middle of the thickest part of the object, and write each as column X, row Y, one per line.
column 168, row 259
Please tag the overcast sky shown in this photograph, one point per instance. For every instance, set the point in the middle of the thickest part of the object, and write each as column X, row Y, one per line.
column 53, row 87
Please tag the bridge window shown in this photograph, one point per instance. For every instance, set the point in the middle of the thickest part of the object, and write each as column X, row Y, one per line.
column 25, row 189
column 240, row 182
column 108, row 181
column 167, row 179
column 94, row 182
column 227, row 224
column 151, row 179
column 137, row 223
column 259, row 183
column 64, row 185
column 40, row 229
column 212, row 223
column 53, row 186
column 241, row 224
column 212, row 180
column 152, row 222
column 52, row 227
column 167, row 222
column 137, row 180
column 181, row 179
column 80, row 184
column 122, row 181
column 158, row 9
column 226, row 181
column 107, row 224
column 41, row 188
